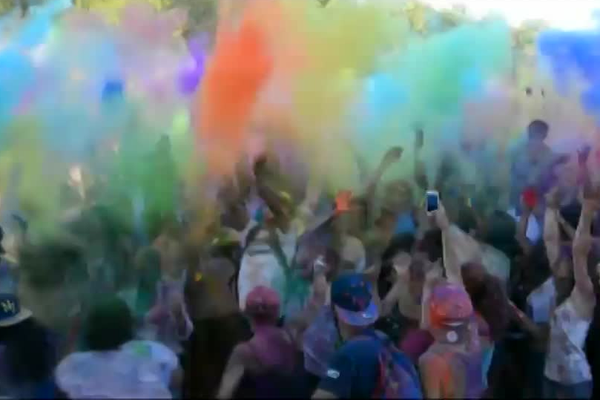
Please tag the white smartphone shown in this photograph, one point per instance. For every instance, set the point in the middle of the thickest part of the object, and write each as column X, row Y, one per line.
column 432, row 201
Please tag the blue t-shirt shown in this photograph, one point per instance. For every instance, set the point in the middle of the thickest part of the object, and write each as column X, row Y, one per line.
column 354, row 370
column 405, row 224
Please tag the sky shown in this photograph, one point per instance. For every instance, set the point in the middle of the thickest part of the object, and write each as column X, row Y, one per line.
column 560, row 14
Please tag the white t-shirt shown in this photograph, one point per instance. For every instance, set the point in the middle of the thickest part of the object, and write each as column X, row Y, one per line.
column 541, row 302
column 261, row 267
column 139, row 369
column 566, row 362
column 534, row 231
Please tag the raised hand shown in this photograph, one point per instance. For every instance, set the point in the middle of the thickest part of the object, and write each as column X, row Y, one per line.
column 391, row 156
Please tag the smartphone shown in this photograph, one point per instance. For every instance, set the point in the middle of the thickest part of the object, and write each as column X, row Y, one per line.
column 432, row 201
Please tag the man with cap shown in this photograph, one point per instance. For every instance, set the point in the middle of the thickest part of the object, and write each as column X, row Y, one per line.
column 452, row 367
column 27, row 353
column 355, row 370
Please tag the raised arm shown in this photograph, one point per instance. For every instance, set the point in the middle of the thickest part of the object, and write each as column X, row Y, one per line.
column 581, row 249
column 551, row 230
column 452, row 243
column 300, row 323
column 234, row 372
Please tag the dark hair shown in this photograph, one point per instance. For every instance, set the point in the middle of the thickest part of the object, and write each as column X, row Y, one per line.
column 431, row 244
column 500, row 233
column 570, row 213
column 467, row 220
column 401, row 242
column 538, row 127
column 489, row 300
column 538, row 266
column 29, row 352
column 109, row 325
column 50, row 264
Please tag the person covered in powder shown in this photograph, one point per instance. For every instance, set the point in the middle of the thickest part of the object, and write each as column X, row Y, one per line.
column 533, row 164
column 271, row 238
column 265, row 365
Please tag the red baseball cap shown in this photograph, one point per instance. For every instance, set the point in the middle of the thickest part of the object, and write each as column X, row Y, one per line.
column 263, row 302
column 449, row 305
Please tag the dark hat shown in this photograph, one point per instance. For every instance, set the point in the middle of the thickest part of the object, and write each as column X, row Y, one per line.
column 352, row 298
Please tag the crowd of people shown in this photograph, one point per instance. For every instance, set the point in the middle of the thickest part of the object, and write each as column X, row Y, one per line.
column 293, row 293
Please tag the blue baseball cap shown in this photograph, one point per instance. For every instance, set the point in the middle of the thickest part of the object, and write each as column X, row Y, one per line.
column 351, row 295
column 11, row 312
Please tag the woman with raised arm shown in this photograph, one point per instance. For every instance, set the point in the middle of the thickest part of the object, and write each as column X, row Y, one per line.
column 453, row 367
column 265, row 366
column 567, row 371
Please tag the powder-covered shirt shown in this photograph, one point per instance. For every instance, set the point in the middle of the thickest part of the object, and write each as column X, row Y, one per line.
column 566, row 362
column 260, row 266
column 162, row 324
column 460, row 373
column 139, row 369
column 540, row 302
column 319, row 342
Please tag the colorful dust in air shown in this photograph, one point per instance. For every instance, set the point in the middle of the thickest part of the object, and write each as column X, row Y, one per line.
column 428, row 83
column 235, row 75
column 328, row 89
column 572, row 58
column 83, row 82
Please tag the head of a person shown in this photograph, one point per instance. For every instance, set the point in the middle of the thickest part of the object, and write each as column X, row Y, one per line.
column 262, row 307
column 399, row 246
column 499, row 231
column 570, row 213
column 52, row 272
column 450, row 310
column 487, row 297
column 430, row 246
column 352, row 220
column 467, row 220
column 26, row 351
column 173, row 255
column 537, row 132
column 109, row 325
column 398, row 195
column 534, row 267
column 353, row 305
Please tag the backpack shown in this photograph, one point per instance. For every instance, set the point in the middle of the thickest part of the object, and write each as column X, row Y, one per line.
column 398, row 377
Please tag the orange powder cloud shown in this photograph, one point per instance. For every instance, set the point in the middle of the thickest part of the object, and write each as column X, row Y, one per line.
column 235, row 76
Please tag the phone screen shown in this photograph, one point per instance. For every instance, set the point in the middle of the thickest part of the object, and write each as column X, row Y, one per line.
column 432, row 201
